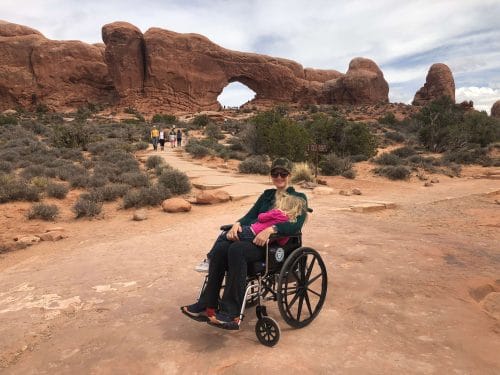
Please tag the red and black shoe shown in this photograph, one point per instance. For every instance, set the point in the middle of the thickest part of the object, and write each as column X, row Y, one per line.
column 198, row 311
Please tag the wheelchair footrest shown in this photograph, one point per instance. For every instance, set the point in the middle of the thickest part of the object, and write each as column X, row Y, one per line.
column 230, row 326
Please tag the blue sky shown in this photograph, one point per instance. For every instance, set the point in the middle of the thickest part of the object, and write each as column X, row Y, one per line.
column 403, row 38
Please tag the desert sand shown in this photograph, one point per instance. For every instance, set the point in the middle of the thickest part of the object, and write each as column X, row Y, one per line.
column 411, row 289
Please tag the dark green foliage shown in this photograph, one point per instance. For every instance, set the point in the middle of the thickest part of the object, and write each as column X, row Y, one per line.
column 201, row 121
column 32, row 171
column 147, row 196
column 79, row 180
column 197, row 149
column 388, row 159
column 87, row 205
column 141, row 146
column 71, row 136
column 175, row 181
column 395, row 136
column 444, row 126
column 154, row 161
column 56, row 190
column 477, row 155
column 393, row 172
column 333, row 165
column 13, row 189
column 135, row 179
column 404, row 152
column 212, row 131
column 8, row 120
column 43, row 211
column 111, row 192
column 350, row 174
column 164, row 118
column 257, row 164
column 388, row 119
column 6, row 166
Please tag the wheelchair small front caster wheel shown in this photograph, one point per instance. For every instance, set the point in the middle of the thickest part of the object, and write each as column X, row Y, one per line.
column 268, row 331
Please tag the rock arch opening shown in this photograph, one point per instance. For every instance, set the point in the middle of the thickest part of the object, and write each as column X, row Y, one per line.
column 235, row 94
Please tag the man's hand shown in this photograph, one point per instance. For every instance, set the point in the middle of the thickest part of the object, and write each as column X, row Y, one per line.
column 262, row 237
column 232, row 235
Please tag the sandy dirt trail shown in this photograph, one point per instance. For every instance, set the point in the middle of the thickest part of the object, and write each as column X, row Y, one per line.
column 106, row 299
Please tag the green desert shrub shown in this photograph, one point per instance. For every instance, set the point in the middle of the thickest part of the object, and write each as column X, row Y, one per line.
column 478, row 155
column 394, row 172
column 164, row 118
column 57, row 190
column 87, row 206
column 197, row 150
column 175, row 181
column 388, row 119
column 153, row 161
column 200, row 121
column 14, row 189
column 43, row 211
column 395, row 136
column 350, row 174
column 6, row 166
column 257, row 164
column 146, row 196
column 111, row 192
column 135, row 179
column 388, row 158
column 333, row 165
column 212, row 131
column 404, row 152
column 138, row 146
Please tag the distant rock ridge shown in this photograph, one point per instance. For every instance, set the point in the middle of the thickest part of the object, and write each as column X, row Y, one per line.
column 439, row 82
column 161, row 71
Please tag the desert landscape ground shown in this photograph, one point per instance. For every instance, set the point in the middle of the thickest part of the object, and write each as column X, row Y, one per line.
column 411, row 289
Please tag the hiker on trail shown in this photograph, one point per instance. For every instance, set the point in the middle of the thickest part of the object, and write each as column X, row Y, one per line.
column 179, row 138
column 154, row 137
column 230, row 256
column 162, row 139
column 171, row 138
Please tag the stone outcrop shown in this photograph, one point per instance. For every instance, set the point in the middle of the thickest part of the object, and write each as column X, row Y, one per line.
column 495, row 109
column 164, row 69
column 60, row 74
column 439, row 82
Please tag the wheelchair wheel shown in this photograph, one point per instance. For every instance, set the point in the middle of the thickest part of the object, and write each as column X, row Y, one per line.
column 302, row 287
column 268, row 331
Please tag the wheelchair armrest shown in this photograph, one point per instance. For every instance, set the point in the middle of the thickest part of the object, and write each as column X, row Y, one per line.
column 226, row 227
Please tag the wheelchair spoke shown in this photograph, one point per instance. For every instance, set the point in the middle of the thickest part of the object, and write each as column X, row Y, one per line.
column 313, row 292
column 314, row 279
column 309, row 270
column 299, row 309
column 294, row 299
column 308, row 303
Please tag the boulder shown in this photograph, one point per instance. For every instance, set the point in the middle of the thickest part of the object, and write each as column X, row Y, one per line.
column 495, row 109
column 28, row 240
column 140, row 215
column 51, row 236
column 356, row 191
column 439, row 82
column 176, row 205
column 9, row 112
column 212, row 197
column 322, row 190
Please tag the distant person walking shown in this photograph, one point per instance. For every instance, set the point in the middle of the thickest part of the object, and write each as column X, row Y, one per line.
column 171, row 138
column 155, row 134
column 179, row 138
column 162, row 140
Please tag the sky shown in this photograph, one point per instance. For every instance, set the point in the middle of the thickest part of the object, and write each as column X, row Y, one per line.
column 403, row 37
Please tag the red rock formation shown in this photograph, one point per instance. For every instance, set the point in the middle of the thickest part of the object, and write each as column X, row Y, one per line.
column 439, row 82
column 495, row 109
column 161, row 71
column 62, row 75
column 124, row 55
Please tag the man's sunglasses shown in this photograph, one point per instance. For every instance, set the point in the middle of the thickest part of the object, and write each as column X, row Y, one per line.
column 280, row 174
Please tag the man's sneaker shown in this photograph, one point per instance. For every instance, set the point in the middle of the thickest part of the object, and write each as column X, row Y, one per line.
column 203, row 266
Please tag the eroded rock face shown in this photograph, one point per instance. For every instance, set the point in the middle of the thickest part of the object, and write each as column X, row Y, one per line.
column 60, row 74
column 495, row 109
column 124, row 55
column 161, row 70
column 439, row 82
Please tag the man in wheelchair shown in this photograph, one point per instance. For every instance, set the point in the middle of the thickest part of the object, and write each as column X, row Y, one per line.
column 230, row 256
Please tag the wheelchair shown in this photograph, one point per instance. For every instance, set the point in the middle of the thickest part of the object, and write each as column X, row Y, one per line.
column 292, row 275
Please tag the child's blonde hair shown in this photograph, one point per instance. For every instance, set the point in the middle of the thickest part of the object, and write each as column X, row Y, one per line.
column 291, row 205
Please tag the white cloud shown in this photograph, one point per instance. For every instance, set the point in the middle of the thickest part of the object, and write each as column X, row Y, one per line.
column 483, row 97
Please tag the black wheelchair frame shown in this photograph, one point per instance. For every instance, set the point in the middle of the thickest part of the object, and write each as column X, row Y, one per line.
column 292, row 275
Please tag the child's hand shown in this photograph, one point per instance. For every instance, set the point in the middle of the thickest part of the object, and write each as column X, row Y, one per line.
column 261, row 238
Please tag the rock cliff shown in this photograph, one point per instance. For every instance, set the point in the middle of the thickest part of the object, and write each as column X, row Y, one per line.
column 495, row 109
column 161, row 71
